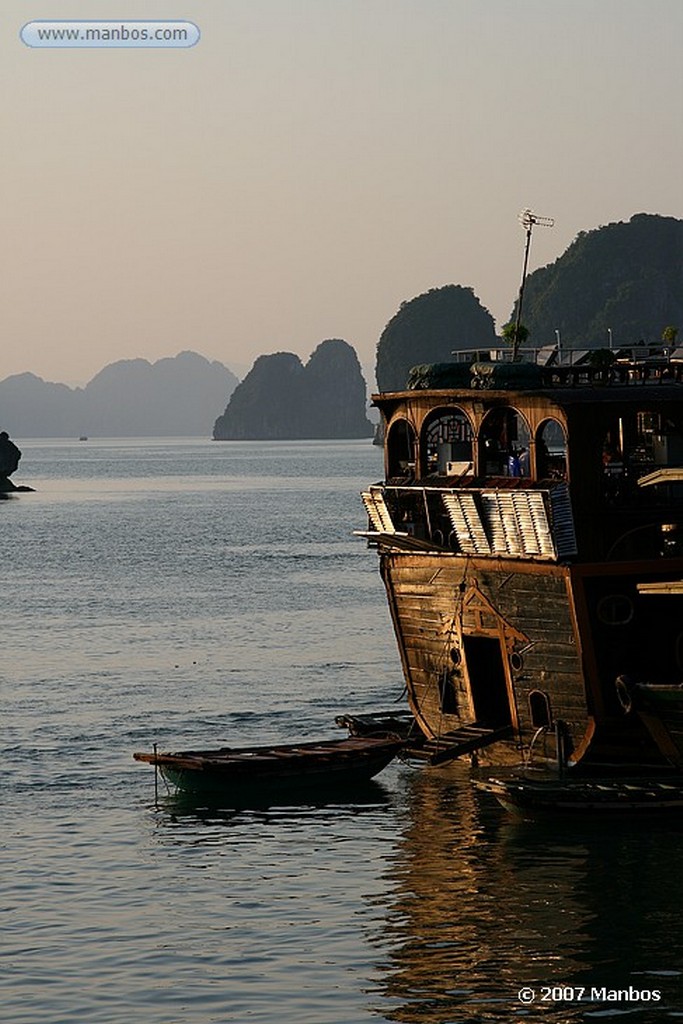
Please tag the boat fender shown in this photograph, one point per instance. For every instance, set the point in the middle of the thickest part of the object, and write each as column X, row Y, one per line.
column 624, row 688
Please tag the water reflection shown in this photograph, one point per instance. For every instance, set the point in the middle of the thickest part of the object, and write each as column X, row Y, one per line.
column 486, row 904
column 336, row 800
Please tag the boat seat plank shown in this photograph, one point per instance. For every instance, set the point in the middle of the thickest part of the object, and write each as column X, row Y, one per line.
column 461, row 741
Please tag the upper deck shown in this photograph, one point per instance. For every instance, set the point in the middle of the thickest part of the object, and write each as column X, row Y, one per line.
column 599, row 426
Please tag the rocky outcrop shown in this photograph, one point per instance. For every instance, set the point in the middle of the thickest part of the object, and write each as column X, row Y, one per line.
column 267, row 403
column 337, row 392
column 428, row 329
column 177, row 396
column 281, row 399
column 622, row 282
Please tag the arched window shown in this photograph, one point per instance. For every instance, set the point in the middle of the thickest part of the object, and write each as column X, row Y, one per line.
column 401, row 449
column 539, row 709
column 551, row 451
column 446, row 443
column 504, row 443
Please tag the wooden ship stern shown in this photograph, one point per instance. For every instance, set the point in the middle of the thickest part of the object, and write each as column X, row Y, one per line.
column 530, row 537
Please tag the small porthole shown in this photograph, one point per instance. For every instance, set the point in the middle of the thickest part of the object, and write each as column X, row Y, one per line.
column 615, row 609
column 516, row 662
column 456, row 657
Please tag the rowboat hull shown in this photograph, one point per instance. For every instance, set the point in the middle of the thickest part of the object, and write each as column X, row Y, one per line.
column 239, row 775
column 599, row 795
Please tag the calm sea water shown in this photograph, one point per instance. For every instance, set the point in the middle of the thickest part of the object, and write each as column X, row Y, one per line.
column 191, row 593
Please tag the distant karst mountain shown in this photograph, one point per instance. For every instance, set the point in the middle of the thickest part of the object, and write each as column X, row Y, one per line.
column 32, row 407
column 427, row 329
column 281, row 399
column 626, row 278
column 172, row 396
column 132, row 398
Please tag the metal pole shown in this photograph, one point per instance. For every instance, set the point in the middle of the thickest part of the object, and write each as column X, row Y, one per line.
column 560, row 746
column 527, row 219
column 429, row 522
column 518, row 319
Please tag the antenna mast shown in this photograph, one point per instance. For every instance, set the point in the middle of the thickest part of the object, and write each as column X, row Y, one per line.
column 527, row 219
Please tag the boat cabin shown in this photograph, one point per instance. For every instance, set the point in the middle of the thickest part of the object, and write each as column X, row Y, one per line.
column 530, row 532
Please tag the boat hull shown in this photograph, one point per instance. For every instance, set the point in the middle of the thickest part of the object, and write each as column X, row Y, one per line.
column 586, row 795
column 518, row 649
column 477, row 638
column 240, row 775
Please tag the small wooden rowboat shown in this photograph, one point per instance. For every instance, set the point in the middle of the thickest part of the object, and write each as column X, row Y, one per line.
column 614, row 794
column 237, row 774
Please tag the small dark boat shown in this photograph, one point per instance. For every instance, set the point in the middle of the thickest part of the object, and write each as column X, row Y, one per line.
column 663, row 698
column 238, row 774
column 558, row 794
column 402, row 723
column 659, row 706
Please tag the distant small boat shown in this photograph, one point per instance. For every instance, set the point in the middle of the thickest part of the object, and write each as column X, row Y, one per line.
column 238, row 774
column 519, row 792
column 83, row 437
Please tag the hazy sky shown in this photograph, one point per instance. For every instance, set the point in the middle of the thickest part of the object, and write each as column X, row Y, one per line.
column 310, row 164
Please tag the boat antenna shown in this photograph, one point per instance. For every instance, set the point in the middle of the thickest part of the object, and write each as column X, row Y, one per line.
column 527, row 219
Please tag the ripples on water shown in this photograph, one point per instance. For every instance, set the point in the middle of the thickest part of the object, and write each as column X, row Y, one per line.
column 192, row 593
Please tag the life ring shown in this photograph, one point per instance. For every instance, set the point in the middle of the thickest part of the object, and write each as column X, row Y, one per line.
column 624, row 688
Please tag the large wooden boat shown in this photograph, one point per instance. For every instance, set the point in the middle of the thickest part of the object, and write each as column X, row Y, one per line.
column 238, row 775
column 530, row 535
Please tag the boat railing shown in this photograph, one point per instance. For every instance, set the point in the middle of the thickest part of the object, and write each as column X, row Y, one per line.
column 634, row 364
column 531, row 522
column 554, row 355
